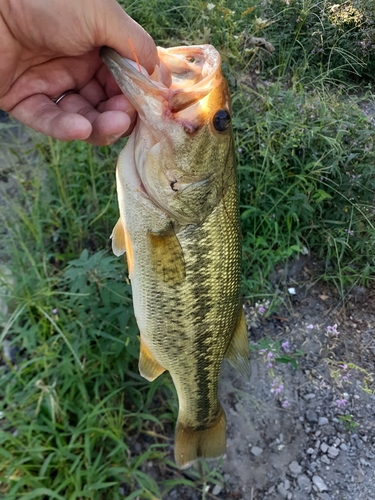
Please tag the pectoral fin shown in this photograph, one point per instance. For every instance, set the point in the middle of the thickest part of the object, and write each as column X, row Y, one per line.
column 238, row 353
column 121, row 243
column 149, row 368
column 167, row 257
column 118, row 239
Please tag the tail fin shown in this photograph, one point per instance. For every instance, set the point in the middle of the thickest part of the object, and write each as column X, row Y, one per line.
column 191, row 444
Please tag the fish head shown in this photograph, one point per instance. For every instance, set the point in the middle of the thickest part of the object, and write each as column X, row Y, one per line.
column 183, row 147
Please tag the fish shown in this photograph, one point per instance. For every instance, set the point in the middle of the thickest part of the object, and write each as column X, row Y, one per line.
column 179, row 227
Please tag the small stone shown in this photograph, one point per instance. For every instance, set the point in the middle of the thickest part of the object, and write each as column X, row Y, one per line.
column 324, row 447
column 364, row 462
column 286, row 484
column 343, row 447
column 323, row 421
column 10, row 352
column 290, row 495
column 310, row 451
column 325, row 496
column 319, row 483
column 138, row 448
column 282, row 490
column 325, row 459
column 311, row 416
column 256, row 451
column 217, row 490
column 304, row 483
column 333, row 452
column 295, row 468
column 359, row 476
column 309, row 396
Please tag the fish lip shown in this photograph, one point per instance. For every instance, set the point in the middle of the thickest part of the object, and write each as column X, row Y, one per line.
column 120, row 66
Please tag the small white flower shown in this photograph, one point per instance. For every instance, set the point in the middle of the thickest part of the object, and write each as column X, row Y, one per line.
column 210, row 6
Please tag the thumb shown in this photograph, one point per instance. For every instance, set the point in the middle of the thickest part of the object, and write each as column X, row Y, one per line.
column 116, row 27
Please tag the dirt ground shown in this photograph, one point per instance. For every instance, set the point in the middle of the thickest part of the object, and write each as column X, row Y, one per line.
column 322, row 444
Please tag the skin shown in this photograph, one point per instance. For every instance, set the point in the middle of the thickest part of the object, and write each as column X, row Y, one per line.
column 51, row 46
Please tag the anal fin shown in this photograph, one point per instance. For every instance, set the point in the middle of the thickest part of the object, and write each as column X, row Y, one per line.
column 238, row 353
column 149, row 368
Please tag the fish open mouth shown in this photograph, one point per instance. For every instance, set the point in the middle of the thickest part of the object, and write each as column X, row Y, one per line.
column 194, row 72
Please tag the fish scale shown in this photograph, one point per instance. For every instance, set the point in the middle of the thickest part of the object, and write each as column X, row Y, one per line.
column 179, row 224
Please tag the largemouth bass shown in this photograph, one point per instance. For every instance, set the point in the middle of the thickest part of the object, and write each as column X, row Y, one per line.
column 179, row 225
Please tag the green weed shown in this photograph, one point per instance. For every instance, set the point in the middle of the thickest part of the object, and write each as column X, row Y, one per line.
column 307, row 183
column 349, row 423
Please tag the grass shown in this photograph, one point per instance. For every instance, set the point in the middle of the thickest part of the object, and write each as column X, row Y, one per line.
column 77, row 421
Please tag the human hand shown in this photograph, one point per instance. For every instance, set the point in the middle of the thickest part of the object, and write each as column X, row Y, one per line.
column 51, row 46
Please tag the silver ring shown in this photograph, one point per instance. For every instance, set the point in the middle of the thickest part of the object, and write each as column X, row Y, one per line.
column 58, row 99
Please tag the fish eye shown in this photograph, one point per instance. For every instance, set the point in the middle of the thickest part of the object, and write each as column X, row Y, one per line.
column 191, row 59
column 221, row 120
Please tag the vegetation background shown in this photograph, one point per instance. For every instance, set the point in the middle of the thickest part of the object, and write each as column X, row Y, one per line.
column 73, row 408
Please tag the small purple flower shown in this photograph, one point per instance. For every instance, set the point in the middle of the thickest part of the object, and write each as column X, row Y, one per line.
column 344, row 367
column 285, row 345
column 55, row 311
column 239, row 150
column 270, row 356
column 269, row 365
column 262, row 309
column 310, row 327
column 333, row 330
column 341, row 402
column 285, row 404
column 279, row 389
